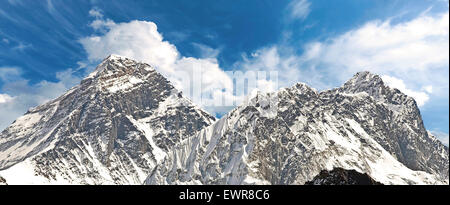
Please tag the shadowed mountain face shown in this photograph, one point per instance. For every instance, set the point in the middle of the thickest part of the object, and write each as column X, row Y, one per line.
column 289, row 136
column 339, row 176
column 113, row 128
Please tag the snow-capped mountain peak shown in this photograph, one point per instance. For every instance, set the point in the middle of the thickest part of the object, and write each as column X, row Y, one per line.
column 113, row 128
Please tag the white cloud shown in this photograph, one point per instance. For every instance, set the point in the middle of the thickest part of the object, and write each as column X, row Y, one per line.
column 141, row 40
column 428, row 89
column 137, row 39
column 380, row 46
column 21, row 46
column 206, row 51
column 300, row 9
column 4, row 98
column 8, row 74
column 50, row 7
column 270, row 59
column 415, row 51
column 289, row 66
column 420, row 97
column 101, row 25
column 95, row 12
column 413, row 54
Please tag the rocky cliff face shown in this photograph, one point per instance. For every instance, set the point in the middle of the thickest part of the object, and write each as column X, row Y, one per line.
column 290, row 136
column 113, row 128
column 339, row 176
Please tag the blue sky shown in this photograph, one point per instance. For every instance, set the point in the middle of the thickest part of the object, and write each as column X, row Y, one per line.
column 46, row 45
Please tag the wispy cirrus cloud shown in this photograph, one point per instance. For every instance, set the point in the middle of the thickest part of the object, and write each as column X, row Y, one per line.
column 299, row 9
column 21, row 46
column 206, row 51
column 15, row 2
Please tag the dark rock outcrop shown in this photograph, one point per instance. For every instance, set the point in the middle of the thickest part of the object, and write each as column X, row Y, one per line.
column 339, row 176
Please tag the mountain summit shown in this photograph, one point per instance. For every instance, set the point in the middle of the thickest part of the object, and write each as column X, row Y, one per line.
column 113, row 128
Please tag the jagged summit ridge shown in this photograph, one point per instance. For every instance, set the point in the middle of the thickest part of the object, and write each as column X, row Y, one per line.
column 112, row 128
column 363, row 126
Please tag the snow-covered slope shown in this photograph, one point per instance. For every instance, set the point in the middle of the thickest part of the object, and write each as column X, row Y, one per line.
column 113, row 128
column 288, row 137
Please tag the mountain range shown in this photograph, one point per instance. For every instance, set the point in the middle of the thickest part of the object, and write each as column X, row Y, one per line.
column 126, row 124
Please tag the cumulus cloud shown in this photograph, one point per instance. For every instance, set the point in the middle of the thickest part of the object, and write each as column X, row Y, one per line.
column 415, row 51
column 141, row 40
column 300, row 9
column 136, row 39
